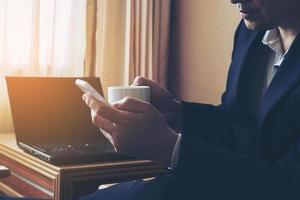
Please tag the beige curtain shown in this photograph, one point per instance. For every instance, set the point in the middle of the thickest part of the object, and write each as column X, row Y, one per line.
column 129, row 38
column 148, row 47
column 105, row 41
column 91, row 28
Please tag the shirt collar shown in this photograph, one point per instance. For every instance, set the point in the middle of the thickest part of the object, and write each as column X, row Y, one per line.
column 272, row 40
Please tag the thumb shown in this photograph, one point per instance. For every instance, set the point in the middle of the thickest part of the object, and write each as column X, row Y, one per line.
column 142, row 81
column 139, row 80
column 130, row 104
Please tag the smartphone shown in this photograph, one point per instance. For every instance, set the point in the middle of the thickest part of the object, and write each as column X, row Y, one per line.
column 87, row 88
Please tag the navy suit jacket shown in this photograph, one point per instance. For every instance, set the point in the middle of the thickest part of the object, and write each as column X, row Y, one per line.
column 210, row 148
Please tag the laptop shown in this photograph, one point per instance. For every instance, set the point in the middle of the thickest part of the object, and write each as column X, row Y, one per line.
column 52, row 122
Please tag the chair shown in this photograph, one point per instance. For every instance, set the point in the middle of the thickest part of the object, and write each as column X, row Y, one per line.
column 4, row 172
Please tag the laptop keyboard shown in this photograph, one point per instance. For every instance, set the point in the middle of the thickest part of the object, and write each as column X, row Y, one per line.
column 90, row 147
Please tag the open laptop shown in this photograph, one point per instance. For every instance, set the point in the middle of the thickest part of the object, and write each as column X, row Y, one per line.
column 52, row 122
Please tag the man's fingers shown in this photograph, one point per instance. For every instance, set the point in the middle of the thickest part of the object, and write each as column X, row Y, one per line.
column 103, row 123
column 132, row 105
column 103, row 109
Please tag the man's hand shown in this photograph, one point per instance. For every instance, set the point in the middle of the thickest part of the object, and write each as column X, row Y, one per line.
column 136, row 127
column 163, row 101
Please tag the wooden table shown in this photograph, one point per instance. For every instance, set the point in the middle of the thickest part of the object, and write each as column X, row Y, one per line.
column 32, row 177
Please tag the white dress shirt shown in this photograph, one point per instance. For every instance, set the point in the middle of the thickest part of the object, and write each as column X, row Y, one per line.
column 272, row 40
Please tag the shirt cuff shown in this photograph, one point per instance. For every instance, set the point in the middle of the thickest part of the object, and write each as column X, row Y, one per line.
column 175, row 153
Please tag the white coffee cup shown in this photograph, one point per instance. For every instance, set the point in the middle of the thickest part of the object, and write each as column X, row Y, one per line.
column 116, row 93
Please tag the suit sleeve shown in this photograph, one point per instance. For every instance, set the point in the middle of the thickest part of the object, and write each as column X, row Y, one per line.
column 205, row 159
column 211, row 123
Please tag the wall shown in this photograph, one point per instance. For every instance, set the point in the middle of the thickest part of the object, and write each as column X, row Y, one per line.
column 203, row 33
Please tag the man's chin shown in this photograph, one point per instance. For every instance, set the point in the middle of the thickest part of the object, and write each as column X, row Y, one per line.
column 257, row 25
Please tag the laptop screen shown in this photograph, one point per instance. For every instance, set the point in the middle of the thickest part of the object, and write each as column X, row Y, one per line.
column 50, row 110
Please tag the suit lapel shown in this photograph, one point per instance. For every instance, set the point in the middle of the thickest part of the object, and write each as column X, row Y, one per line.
column 287, row 76
column 238, row 65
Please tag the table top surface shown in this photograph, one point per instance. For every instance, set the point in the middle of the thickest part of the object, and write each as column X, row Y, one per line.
column 9, row 147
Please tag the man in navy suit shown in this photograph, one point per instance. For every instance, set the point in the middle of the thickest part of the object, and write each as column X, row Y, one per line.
column 246, row 148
